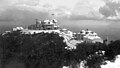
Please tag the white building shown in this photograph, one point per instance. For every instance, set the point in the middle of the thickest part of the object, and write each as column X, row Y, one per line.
column 92, row 36
column 44, row 25
column 18, row 28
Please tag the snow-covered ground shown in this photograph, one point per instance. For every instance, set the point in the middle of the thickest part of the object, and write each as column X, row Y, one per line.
column 115, row 64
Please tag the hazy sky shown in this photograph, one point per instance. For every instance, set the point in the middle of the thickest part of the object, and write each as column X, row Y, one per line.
column 70, row 9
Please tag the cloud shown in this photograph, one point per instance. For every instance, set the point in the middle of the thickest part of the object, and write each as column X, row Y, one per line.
column 22, row 17
column 88, row 8
column 24, row 10
column 111, row 10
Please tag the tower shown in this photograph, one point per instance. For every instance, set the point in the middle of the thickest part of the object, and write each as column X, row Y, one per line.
column 37, row 21
column 107, row 42
column 37, row 24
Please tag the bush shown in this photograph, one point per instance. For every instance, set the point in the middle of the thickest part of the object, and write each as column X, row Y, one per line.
column 34, row 49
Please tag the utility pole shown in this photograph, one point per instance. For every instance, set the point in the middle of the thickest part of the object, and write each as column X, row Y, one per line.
column 107, row 40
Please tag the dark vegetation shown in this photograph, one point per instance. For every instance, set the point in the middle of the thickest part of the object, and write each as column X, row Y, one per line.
column 44, row 50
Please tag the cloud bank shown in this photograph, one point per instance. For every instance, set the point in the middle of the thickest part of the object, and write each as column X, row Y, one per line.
column 111, row 10
column 27, row 10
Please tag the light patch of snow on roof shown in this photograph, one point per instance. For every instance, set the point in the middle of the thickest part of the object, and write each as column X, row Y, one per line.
column 46, row 20
column 39, row 31
column 64, row 29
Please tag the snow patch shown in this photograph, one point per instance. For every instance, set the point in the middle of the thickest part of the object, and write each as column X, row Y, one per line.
column 115, row 64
